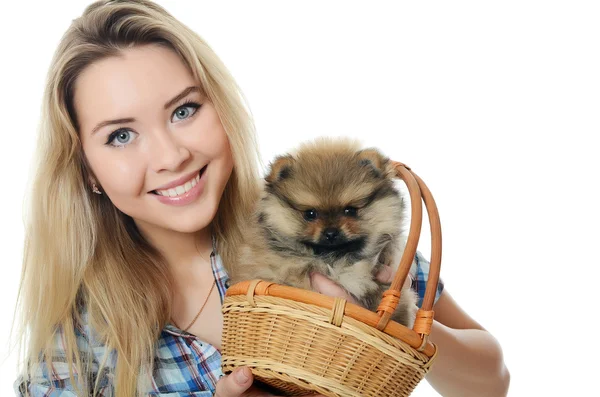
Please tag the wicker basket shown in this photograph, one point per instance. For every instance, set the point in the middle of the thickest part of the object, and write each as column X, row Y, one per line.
column 301, row 342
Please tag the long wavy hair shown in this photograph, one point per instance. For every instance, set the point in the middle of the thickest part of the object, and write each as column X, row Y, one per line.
column 80, row 250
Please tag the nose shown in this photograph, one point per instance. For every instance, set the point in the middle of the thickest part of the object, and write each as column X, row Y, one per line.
column 331, row 234
column 167, row 153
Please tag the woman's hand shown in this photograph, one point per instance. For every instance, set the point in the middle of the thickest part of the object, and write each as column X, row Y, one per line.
column 325, row 286
column 240, row 384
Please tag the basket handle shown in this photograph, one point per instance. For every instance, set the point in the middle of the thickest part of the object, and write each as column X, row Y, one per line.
column 418, row 191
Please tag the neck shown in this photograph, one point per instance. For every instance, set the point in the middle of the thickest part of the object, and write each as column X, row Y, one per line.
column 181, row 250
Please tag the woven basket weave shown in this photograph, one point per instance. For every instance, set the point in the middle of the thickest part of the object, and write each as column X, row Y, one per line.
column 300, row 342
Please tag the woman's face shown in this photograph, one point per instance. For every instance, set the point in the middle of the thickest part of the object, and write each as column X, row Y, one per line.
column 154, row 143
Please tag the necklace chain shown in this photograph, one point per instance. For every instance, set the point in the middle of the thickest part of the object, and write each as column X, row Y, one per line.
column 199, row 311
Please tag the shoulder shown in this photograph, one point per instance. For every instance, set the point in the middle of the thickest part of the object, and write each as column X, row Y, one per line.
column 55, row 375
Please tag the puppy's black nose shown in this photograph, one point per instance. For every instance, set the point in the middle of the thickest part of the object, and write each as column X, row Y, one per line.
column 331, row 234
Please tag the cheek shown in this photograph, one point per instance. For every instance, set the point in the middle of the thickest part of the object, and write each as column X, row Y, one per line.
column 281, row 219
column 383, row 216
column 208, row 136
column 218, row 143
column 314, row 229
column 120, row 176
column 350, row 227
column 224, row 154
column 217, row 151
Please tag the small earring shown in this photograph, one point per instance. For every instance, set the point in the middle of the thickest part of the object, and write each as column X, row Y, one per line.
column 95, row 189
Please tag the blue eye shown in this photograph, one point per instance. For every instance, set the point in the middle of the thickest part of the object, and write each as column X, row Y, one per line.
column 185, row 111
column 121, row 137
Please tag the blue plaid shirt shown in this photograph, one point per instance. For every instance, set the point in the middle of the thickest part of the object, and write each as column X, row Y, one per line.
column 184, row 365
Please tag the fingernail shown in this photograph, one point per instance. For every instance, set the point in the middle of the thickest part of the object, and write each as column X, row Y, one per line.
column 242, row 375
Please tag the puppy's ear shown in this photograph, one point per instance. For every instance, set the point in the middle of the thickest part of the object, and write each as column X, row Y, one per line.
column 380, row 165
column 280, row 169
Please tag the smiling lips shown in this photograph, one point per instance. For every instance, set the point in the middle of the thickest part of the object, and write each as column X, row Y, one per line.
column 179, row 190
column 184, row 193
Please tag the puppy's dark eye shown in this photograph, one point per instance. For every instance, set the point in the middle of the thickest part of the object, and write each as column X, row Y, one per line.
column 310, row 215
column 350, row 211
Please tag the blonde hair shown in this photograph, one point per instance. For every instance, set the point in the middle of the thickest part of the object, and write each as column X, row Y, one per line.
column 79, row 249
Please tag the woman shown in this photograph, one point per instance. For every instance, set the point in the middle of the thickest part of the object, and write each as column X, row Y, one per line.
column 147, row 170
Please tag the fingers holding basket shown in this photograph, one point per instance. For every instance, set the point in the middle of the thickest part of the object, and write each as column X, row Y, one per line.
column 240, row 384
column 236, row 384
column 325, row 286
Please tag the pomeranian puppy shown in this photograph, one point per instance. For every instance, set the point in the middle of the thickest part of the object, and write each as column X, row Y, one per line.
column 331, row 207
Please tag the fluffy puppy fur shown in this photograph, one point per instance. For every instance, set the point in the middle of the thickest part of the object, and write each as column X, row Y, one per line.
column 331, row 207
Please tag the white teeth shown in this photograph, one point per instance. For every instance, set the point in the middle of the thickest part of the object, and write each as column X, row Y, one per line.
column 179, row 190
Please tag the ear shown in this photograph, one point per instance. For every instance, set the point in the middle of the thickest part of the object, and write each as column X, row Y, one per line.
column 91, row 180
column 87, row 171
column 379, row 164
column 89, row 175
column 280, row 169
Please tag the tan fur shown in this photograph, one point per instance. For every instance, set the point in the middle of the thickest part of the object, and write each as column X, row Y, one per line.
column 328, row 175
column 277, row 166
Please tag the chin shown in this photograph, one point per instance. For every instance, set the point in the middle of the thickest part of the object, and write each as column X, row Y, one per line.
column 194, row 222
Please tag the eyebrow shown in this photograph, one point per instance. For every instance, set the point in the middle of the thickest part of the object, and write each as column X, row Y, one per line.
column 170, row 103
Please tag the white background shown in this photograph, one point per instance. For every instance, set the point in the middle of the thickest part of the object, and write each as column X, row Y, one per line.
column 494, row 104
